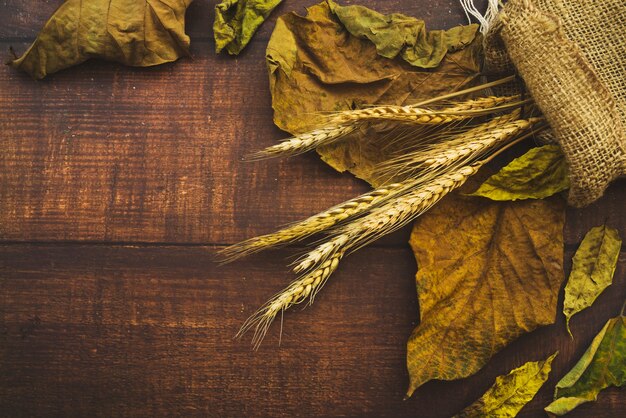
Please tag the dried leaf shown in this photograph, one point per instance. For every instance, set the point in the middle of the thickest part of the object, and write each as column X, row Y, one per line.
column 400, row 35
column 539, row 173
column 236, row 21
column 134, row 32
column 602, row 365
column 316, row 65
column 592, row 271
column 487, row 273
column 511, row 392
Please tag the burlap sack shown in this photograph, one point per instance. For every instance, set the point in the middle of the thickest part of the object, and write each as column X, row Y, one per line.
column 571, row 55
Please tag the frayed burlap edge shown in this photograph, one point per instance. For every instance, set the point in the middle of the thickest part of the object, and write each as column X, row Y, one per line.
column 579, row 107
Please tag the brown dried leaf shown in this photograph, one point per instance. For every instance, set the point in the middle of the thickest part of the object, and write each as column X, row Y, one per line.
column 316, row 65
column 400, row 35
column 134, row 32
column 488, row 272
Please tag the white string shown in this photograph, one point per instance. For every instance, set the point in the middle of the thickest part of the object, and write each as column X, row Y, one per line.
column 484, row 19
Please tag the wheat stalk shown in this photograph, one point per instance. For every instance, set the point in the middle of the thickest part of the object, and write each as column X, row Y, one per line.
column 386, row 218
column 397, row 213
column 478, row 146
column 327, row 256
column 461, row 149
column 388, row 208
column 301, row 289
column 420, row 115
column 346, row 122
column 305, row 142
column 467, row 91
column 471, row 143
column 316, row 223
column 446, row 152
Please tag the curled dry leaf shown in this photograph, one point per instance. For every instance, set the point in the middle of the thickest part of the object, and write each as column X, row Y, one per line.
column 602, row 365
column 316, row 65
column 236, row 21
column 511, row 392
column 487, row 273
column 405, row 36
column 592, row 270
column 133, row 32
column 538, row 174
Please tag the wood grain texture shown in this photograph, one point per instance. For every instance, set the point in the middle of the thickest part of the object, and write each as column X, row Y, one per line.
column 145, row 331
column 101, row 152
column 116, row 187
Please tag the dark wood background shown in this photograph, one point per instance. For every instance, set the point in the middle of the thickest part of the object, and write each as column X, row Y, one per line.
column 117, row 186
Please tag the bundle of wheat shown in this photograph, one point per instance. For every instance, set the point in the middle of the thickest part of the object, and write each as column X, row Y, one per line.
column 466, row 134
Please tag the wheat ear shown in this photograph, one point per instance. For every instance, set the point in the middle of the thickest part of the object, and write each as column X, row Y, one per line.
column 445, row 152
column 420, row 115
column 386, row 218
column 459, row 150
column 343, row 123
column 316, row 223
column 479, row 145
column 301, row 289
column 305, row 142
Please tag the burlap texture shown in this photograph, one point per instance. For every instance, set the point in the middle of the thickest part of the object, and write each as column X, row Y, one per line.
column 571, row 55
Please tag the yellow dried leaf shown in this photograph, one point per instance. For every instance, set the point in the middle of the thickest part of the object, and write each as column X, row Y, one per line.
column 511, row 392
column 487, row 273
column 538, row 174
column 592, row 270
column 602, row 365
column 236, row 21
column 134, row 32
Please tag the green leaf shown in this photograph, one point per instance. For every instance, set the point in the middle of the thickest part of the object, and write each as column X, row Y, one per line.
column 511, row 392
column 488, row 272
column 400, row 35
column 316, row 65
column 602, row 365
column 133, row 32
column 592, row 271
column 236, row 21
column 539, row 173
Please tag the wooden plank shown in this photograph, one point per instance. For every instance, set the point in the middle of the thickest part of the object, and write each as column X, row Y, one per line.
column 103, row 153
column 145, row 331
column 609, row 209
column 106, row 153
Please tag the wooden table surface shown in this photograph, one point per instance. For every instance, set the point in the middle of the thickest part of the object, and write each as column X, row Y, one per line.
column 117, row 186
